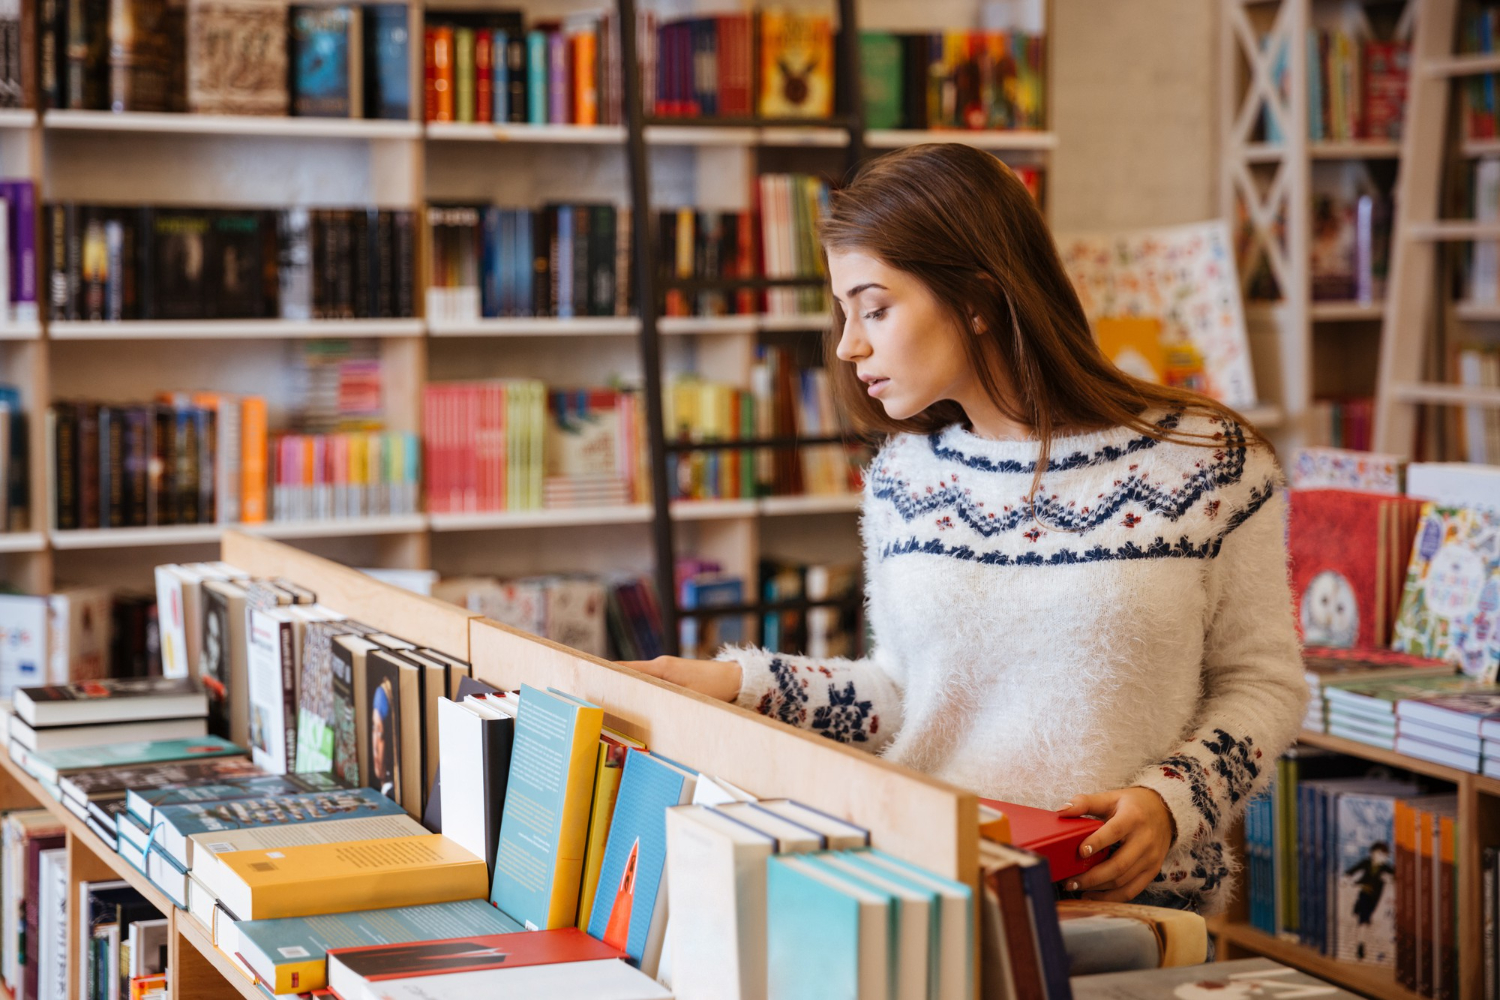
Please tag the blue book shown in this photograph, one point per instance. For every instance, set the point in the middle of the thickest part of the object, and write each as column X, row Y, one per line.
column 521, row 261
column 318, row 51
column 174, row 825
column 911, row 933
column 387, row 62
column 491, row 261
column 630, row 907
column 536, row 78
column 500, row 106
column 562, row 265
column 544, row 830
column 825, row 936
column 144, row 801
column 506, row 264
column 291, row 953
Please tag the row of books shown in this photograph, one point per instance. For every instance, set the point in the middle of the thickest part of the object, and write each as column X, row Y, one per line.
column 145, row 262
column 1478, row 366
column 1345, row 422
column 1360, row 866
column 828, row 627
column 321, row 477
column 77, row 633
column 15, row 462
column 1350, row 253
column 1484, row 261
column 1477, row 35
column 580, row 611
column 711, row 246
column 953, row 80
column 342, row 61
column 489, row 67
column 560, row 260
column 1356, row 86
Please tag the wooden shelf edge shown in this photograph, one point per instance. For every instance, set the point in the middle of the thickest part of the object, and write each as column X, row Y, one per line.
column 1380, row 755
column 195, row 934
column 232, row 329
column 1366, row 979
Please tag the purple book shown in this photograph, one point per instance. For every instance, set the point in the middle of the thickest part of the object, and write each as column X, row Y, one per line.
column 559, row 111
column 20, row 197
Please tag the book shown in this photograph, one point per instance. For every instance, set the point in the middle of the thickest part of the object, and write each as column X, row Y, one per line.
column 826, row 935
column 630, row 908
column 222, row 663
column 350, row 970
column 386, row 62
column 1056, row 839
column 176, row 824
column 146, row 802
column 613, row 748
column 289, row 955
column 796, row 65
column 912, row 927
column 310, row 879
column 476, row 749
column 113, row 783
column 50, row 767
column 236, row 57
column 1463, row 713
column 838, row 834
column 23, row 656
column 110, row 700
column 393, row 706
column 1454, row 575
column 63, row 737
column 1242, row 977
column 611, row 979
column 324, row 56
column 539, row 860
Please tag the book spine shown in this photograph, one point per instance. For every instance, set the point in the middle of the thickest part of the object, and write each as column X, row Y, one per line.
column 517, row 77
column 65, row 465
column 205, row 429
column 386, row 296
column 484, row 76
column 253, row 459
column 88, row 465
column 536, row 78
column 463, row 74
column 559, row 78
column 112, row 512
column 582, row 218
column 137, row 458
column 362, row 225
column 545, row 232
column 500, row 76
column 585, row 58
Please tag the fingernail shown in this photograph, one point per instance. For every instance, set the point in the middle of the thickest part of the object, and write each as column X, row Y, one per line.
column 1067, row 805
column 1087, row 850
column 1072, row 886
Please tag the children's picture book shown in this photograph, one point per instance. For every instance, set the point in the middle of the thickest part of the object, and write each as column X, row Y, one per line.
column 1345, row 469
column 1182, row 275
column 1365, row 899
column 1450, row 609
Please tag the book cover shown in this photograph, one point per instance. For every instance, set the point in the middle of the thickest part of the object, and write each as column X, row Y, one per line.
column 350, row 969
column 1452, row 590
column 826, row 936
column 1054, row 838
column 613, row 748
column 107, row 784
column 290, row 954
column 387, row 62
column 109, row 700
column 145, row 802
column 1246, row 977
column 311, row 879
column 1364, row 897
column 476, row 748
column 51, row 766
column 1332, row 547
column 236, row 57
column 221, row 663
column 319, row 56
column 179, row 263
column 543, row 834
column 598, row 980
column 315, row 705
column 630, row 906
column 393, row 703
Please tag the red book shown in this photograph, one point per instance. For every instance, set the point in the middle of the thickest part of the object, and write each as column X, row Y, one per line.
column 350, row 968
column 1055, row 838
column 484, row 75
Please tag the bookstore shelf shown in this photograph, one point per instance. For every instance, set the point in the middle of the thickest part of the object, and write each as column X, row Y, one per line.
column 17, row 117
column 262, row 125
column 20, row 331
column 1354, row 748
column 791, row 324
column 1487, row 785
column 1358, row 149
column 193, row 931
column 233, row 329
column 567, row 517
column 713, row 510
column 1347, row 311
column 836, row 503
column 195, row 534
column 1463, row 65
column 1473, row 148
column 1367, row 979
column 795, row 135
column 1442, row 392
column 1477, row 310
column 684, row 325
column 1018, row 139
column 22, row 541
column 591, row 135
column 537, row 326
column 394, row 524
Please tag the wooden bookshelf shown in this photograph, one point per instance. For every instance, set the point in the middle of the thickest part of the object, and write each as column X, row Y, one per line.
column 1243, row 941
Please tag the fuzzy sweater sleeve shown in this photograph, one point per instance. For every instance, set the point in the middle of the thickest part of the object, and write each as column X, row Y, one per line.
column 1252, row 702
column 853, row 701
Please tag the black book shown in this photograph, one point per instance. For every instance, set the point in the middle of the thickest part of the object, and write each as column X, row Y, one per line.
column 325, row 265
column 161, row 468
column 205, row 426
column 185, row 458
column 135, row 465
column 143, row 261
column 432, row 815
column 73, row 262
column 65, row 465
column 57, row 258
column 544, row 238
column 88, row 465
column 122, row 254
column 915, row 57
column 343, row 228
column 582, row 229
column 180, row 262
column 515, row 74
column 235, row 283
column 602, row 261
column 362, row 233
column 52, row 46
column 111, row 467
column 18, row 475
column 387, row 62
column 404, row 239
column 93, row 263
column 383, row 284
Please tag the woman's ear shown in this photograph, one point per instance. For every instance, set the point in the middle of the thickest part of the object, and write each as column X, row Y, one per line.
column 978, row 325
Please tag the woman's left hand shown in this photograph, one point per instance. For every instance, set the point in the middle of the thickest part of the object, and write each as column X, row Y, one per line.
column 1141, row 824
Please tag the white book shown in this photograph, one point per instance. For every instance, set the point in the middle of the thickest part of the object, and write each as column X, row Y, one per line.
column 1455, row 484
column 52, row 930
column 610, row 979
column 838, row 834
column 1484, row 279
column 79, row 626
column 201, row 899
column 23, row 656
column 716, row 895
column 791, row 837
column 179, row 610
column 1471, row 375
column 148, row 948
column 67, row 737
column 470, row 745
column 273, row 642
column 227, row 460
column 912, row 932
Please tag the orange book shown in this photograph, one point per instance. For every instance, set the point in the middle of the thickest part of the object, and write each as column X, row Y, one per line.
column 585, row 78
column 253, row 460
column 440, row 51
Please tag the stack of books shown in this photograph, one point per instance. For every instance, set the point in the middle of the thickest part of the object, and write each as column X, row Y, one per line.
column 1459, row 730
column 78, row 716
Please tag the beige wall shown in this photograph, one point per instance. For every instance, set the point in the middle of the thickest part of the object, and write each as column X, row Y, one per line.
column 1135, row 111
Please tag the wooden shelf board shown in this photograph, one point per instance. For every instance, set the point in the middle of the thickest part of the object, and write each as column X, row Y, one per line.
column 1487, row 785
column 690, row 325
column 1017, row 139
column 261, row 125
column 1477, row 310
column 22, row 541
column 81, row 832
column 1380, row 755
column 1347, row 311
column 1480, row 147
column 198, row 936
column 1355, row 149
column 793, row 324
column 1454, row 230
column 233, row 329
column 197, row 534
column 591, row 135
column 802, row 135
column 1263, row 415
column 17, row 117
column 561, row 517
column 1263, row 152
column 713, row 510
column 1467, row 65
column 20, row 331
column 1444, row 393
column 837, row 503
column 1367, row 979
column 541, row 326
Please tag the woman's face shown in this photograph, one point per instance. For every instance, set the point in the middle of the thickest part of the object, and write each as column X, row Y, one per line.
column 905, row 348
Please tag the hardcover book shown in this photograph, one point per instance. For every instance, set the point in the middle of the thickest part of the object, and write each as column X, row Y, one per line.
column 826, row 936
column 1344, row 469
column 50, row 767
column 290, row 955
column 110, row 700
column 796, row 65
column 236, row 57
column 1453, row 590
column 1054, row 838
column 351, row 969
column 324, row 44
column 387, row 61
column 106, row 784
column 1366, row 891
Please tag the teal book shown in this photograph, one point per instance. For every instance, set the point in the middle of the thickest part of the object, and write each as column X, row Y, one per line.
column 143, row 801
column 536, row 78
column 825, row 936
column 51, row 765
column 291, row 955
column 173, row 825
column 630, row 906
column 856, row 861
column 909, row 926
column 544, row 828
column 955, row 956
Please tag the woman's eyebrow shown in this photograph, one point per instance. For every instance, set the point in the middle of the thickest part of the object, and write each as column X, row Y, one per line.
column 851, row 293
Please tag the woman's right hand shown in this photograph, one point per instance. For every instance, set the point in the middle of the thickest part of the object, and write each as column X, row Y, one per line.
column 719, row 679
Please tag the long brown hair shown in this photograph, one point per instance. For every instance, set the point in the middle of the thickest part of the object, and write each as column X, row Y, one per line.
column 962, row 223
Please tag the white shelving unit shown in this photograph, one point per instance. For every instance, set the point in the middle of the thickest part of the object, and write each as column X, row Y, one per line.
column 234, row 329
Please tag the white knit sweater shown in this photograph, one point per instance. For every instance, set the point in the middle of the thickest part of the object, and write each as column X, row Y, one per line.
column 1137, row 631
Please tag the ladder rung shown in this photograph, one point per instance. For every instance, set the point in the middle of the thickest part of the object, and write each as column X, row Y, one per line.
column 1454, row 230
column 1445, row 393
column 1464, row 65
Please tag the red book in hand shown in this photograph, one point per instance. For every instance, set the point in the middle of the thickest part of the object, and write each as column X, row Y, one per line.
column 1055, row 838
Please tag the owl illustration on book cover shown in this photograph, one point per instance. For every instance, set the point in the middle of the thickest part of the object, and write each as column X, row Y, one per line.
column 617, row 931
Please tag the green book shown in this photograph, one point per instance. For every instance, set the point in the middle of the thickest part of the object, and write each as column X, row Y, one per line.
column 290, row 955
column 51, row 765
column 463, row 74
column 881, row 73
column 536, row 78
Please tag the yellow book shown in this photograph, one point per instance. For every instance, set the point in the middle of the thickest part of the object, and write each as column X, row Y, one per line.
column 310, row 879
column 1134, row 344
column 612, row 749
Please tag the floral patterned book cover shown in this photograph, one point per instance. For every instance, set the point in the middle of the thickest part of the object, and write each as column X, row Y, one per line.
column 1450, row 608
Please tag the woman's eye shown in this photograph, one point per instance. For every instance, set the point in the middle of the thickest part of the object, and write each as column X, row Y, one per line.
column 875, row 314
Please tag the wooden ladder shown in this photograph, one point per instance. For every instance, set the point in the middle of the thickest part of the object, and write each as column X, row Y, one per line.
column 1419, row 231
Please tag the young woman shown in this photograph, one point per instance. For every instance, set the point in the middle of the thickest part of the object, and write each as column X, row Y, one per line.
column 1076, row 580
